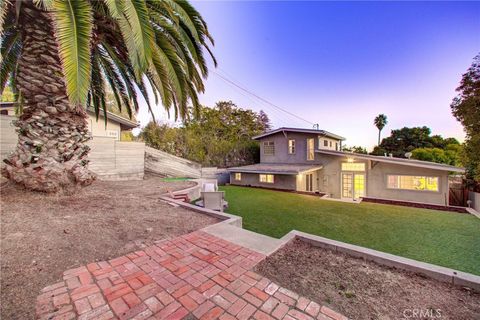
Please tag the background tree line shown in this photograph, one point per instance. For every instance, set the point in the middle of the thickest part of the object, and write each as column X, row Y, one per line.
column 419, row 142
column 219, row 136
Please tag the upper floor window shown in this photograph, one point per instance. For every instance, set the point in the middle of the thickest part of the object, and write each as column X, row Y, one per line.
column 269, row 148
column 291, row 146
column 330, row 144
column 325, row 143
column 336, row 146
column 417, row 183
column 310, row 149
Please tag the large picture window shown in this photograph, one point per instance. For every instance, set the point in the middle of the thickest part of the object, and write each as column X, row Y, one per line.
column 310, row 149
column 266, row 178
column 353, row 166
column 269, row 148
column 417, row 183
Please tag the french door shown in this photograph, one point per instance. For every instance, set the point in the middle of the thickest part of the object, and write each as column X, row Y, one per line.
column 309, row 182
column 353, row 185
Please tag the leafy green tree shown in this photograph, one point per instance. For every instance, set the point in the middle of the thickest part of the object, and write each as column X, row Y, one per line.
column 380, row 122
column 355, row 149
column 466, row 108
column 406, row 140
column 450, row 155
column 60, row 55
column 7, row 95
column 219, row 136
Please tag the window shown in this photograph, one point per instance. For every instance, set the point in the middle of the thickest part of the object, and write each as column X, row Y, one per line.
column 353, row 166
column 291, row 146
column 330, row 144
column 266, row 178
column 336, row 146
column 238, row 176
column 269, row 148
column 310, row 149
column 418, row 183
column 325, row 143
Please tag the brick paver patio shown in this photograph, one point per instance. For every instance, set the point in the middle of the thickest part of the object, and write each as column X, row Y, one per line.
column 195, row 276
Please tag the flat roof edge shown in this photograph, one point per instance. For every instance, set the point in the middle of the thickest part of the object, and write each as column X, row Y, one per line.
column 399, row 161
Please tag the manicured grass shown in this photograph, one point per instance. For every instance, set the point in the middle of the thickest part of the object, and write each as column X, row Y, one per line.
column 443, row 238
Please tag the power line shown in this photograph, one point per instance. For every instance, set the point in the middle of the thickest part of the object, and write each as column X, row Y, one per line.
column 272, row 113
column 260, row 98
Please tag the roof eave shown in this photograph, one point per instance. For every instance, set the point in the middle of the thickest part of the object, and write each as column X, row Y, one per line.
column 319, row 132
column 262, row 171
column 112, row 116
column 419, row 164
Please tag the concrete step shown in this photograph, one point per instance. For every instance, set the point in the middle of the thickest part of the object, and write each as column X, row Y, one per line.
column 249, row 239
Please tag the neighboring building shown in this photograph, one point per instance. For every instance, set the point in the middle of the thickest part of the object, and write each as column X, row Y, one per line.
column 115, row 124
column 311, row 161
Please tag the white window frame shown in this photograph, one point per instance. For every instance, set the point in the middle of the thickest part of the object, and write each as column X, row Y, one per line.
column 269, row 145
column 292, row 147
column 414, row 190
column 266, row 178
column 238, row 176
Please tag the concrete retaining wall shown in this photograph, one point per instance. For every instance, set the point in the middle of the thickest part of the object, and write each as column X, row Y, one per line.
column 168, row 165
column 8, row 136
column 111, row 159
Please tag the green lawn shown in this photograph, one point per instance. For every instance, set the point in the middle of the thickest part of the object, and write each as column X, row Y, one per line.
column 443, row 238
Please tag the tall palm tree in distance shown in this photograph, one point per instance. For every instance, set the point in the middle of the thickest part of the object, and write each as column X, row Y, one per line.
column 61, row 56
column 380, row 122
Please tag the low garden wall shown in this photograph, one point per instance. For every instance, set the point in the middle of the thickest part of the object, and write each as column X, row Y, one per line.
column 454, row 277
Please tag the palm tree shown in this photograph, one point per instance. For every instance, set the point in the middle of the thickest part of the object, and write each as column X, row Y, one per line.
column 380, row 122
column 61, row 56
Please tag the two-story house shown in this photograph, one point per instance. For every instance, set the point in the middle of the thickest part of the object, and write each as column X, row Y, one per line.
column 308, row 160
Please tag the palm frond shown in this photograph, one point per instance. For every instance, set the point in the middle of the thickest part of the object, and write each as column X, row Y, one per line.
column 138, row 34
column 73, row 24
column 10, row 51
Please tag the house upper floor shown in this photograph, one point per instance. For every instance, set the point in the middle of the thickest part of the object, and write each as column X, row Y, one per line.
column 294, row 145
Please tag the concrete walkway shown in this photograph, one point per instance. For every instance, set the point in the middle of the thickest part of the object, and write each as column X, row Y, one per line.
column 195, row 276
column 248, row 239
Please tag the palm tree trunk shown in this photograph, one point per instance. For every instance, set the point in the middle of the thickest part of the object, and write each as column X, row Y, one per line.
column 51, row 153
column 379, row 132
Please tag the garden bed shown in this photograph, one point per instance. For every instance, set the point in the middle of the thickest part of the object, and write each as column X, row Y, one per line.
column 43, row 235
column 365, row 290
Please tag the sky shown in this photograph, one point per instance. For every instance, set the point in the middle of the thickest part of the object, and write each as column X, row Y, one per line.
column 339, row 64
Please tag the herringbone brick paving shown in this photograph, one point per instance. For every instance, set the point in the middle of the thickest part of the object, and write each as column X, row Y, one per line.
column 194, row 276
